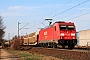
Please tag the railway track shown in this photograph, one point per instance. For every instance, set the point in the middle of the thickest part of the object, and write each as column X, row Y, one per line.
column 59, row 48
column 76, row 49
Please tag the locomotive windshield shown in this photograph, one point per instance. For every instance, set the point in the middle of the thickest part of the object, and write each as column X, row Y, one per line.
column 66, row 27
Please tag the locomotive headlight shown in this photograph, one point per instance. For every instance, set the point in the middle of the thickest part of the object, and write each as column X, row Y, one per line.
column 62, row 34
column 73, row 37
column 72, row 34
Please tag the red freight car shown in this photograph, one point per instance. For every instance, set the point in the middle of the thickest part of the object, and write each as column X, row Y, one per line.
column 60, row 33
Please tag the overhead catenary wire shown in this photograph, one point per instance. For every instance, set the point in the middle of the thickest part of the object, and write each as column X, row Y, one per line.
column 78, row 16
column 70, row 8
column 75, row 17
column 61, row 12
column 60, row 7
column 55, row 11
column 32, row 27
column 73, row 13
column 24, row 26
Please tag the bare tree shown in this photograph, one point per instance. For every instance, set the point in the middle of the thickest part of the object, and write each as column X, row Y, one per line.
column 2, row 27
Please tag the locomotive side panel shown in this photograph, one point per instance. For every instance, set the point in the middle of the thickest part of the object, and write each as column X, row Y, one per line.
column 56, row 32
column 46, row 35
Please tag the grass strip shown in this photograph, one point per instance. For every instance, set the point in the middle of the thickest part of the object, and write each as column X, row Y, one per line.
column 25, row 55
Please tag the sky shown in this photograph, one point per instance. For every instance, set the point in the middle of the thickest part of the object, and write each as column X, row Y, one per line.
column 31, row 14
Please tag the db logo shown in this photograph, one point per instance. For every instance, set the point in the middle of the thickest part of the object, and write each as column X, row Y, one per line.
column 45, row 33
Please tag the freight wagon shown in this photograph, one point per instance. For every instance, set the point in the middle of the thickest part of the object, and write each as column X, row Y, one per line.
column 84, row 38
column 25, row 42
column 30, row 39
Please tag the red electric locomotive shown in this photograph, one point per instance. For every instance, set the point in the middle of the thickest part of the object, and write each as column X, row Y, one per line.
column 60, row 33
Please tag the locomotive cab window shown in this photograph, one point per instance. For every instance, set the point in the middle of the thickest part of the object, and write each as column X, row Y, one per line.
column 63, row 27
column 66, row 27
column 70, row 27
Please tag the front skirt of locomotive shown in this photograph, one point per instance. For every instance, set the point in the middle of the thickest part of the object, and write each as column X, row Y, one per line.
column 67, row 42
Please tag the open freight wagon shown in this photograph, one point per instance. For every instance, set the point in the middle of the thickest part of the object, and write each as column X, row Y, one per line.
column 25, row 42
column 30, row 39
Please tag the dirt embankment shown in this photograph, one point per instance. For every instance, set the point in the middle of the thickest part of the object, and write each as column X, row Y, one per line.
column 5, row 55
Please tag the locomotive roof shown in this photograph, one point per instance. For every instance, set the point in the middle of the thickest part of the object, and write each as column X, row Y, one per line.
column 46, row 27
column 60, row 22
column 54, row 23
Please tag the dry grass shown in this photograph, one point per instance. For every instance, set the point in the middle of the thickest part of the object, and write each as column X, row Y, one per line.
column 24, row 55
